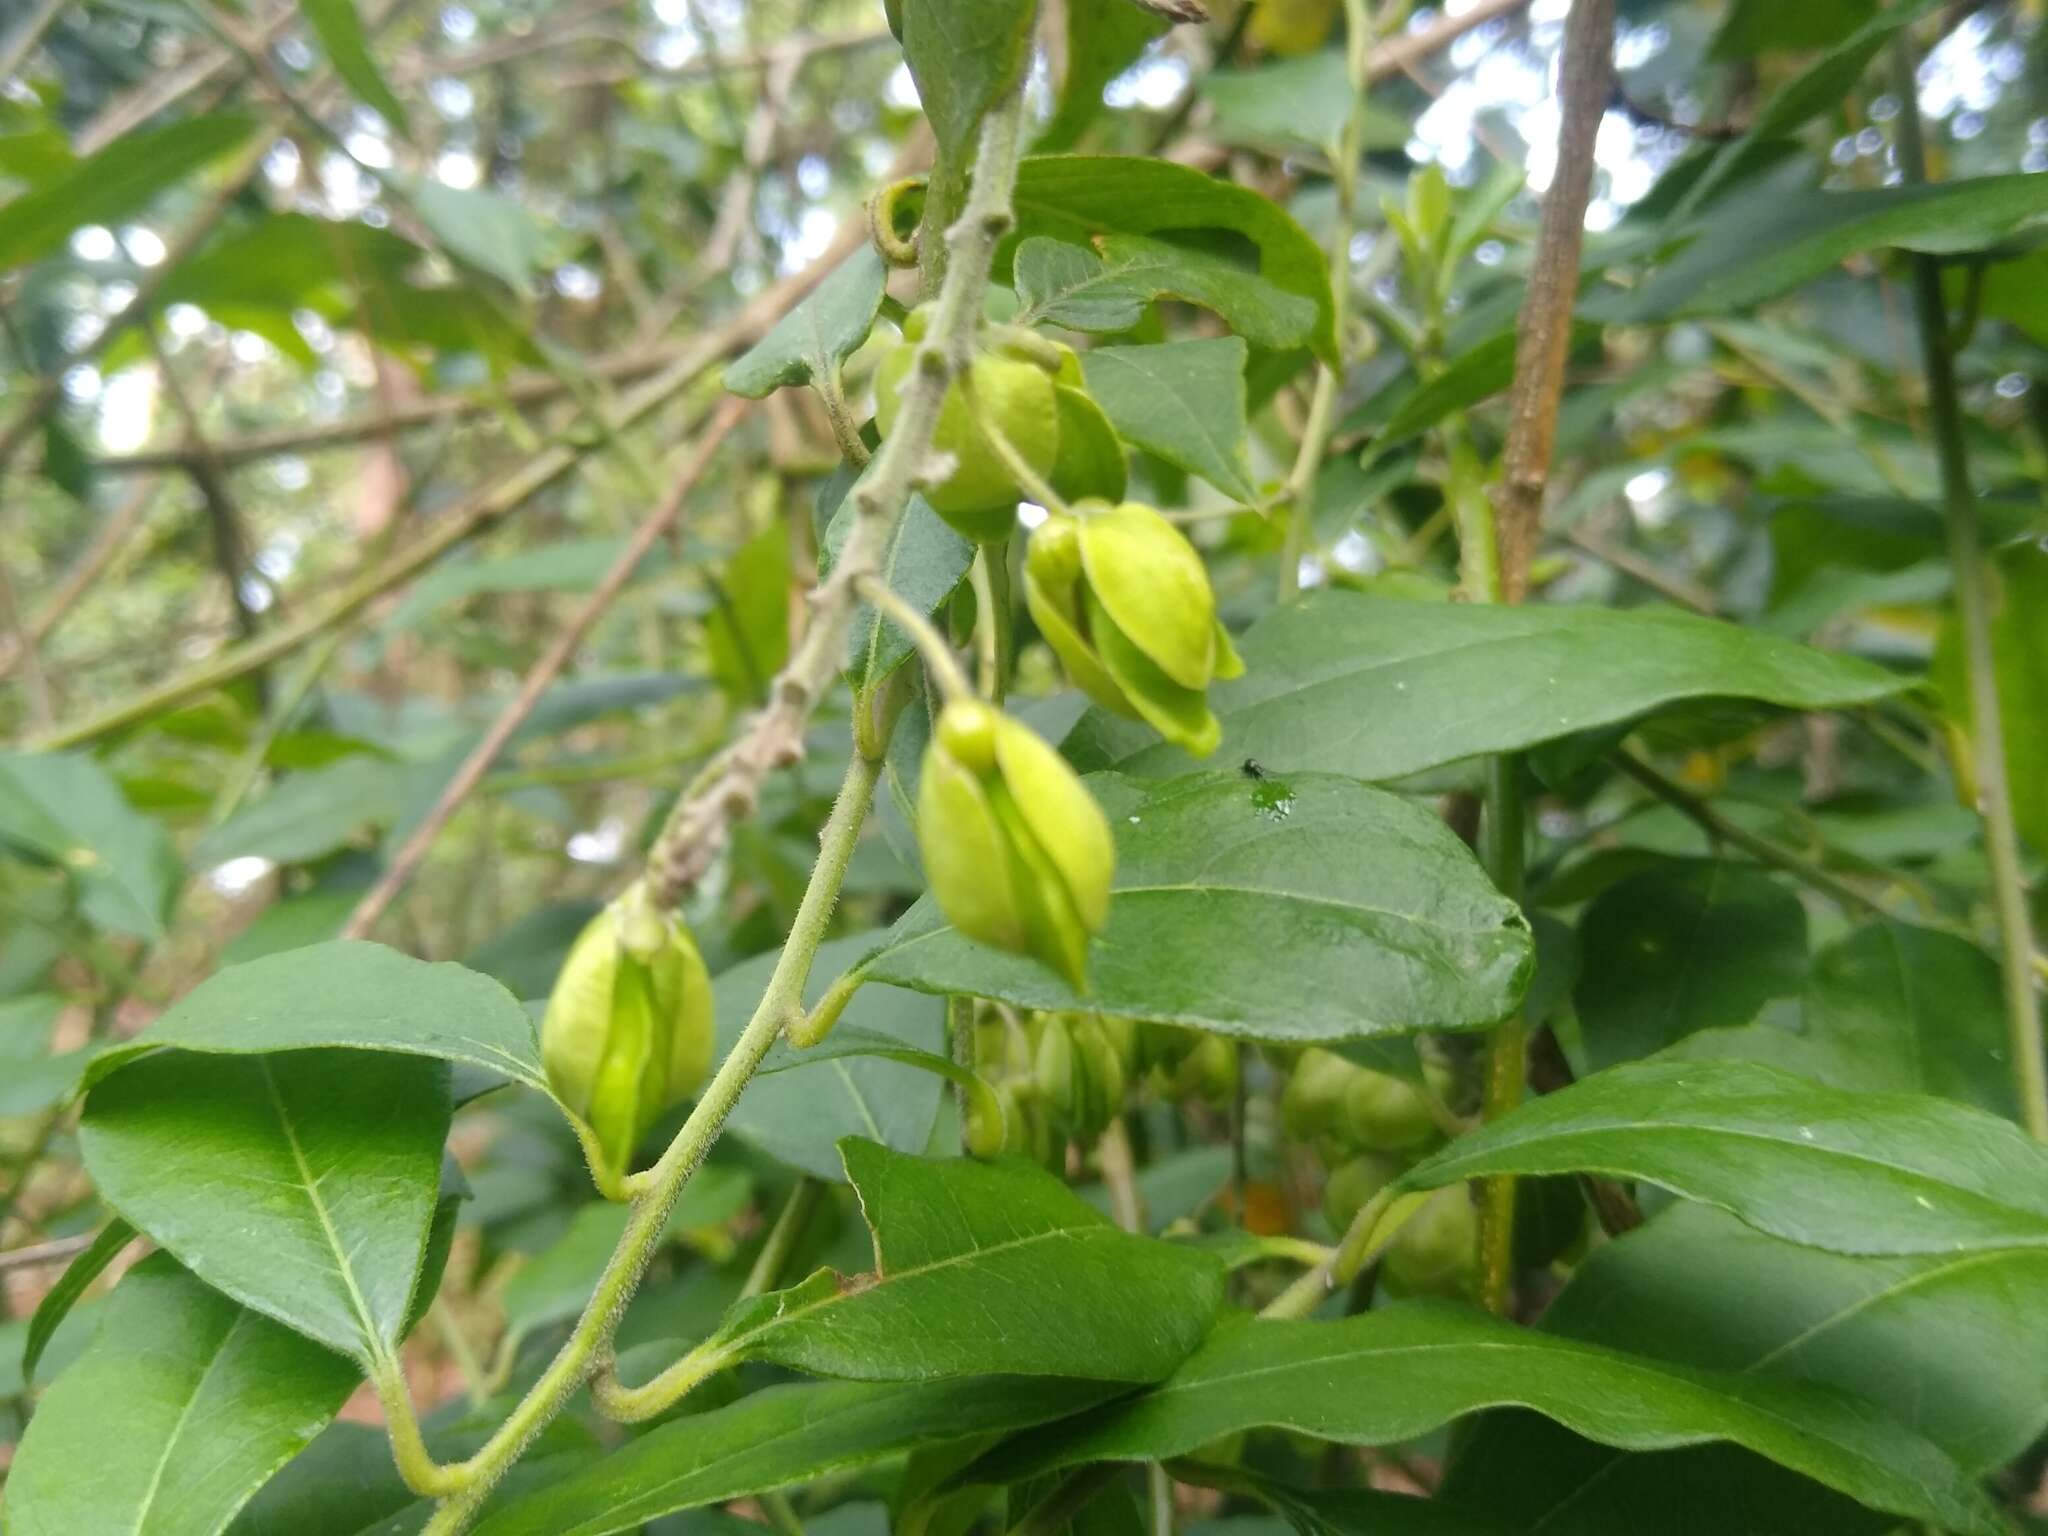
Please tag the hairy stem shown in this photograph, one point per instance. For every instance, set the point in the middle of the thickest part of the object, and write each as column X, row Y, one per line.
column 655, row 1192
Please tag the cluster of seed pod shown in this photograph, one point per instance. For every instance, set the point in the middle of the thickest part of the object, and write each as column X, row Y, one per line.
column 1369, row 1127
column 1063, row 1077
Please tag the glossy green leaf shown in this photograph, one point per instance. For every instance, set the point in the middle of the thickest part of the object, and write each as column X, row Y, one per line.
column 1078, row 197
column 1377, row 916
column 301, row 1183
column 65, row 808
column 2019, row 644
column 58, row 1301
column 983, row 1268
column 340, row 31
column 1183, row 400
column 1911, row 1010
column 1476, row 374
column 777, row 1438
column 1688, row 946
column 963, row 56
column 1736, row 265
column 114, row 183
column 1395, row 1373
column 1943, row 1343
column 817, row 335
column 178, row 1411
column 924, row 563
column 1379, row 688
column 1867, row 1173
column 346, row 993
column 308, row 815
column 1075, row 287
column 799, row 1116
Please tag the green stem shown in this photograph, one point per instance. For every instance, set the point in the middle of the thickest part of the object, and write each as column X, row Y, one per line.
column 782, row 1238
column 931, row 645
column 1973, row 605
column 1507, row 1065
column 994, row 622
column 655, row 1192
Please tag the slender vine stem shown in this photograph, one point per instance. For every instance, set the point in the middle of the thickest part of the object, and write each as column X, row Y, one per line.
column 931, row 645
column 654, row 1192
column 1973, row 607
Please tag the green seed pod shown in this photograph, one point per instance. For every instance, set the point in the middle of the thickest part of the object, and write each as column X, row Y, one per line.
column 1209, row 1072
column 983, row 1130
column 1018, row 853
column 979, row 497
column 1354, row 1182
column 1436, row 1252
column 628, row 1027
column 1124, row 601
column 1056, row 1067
column 1103, row 1077
column 1385, row 1114
column 1313, row 1101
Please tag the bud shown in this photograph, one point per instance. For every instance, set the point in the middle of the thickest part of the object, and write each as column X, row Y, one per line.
column 1436, row 1252
column 980, row 495
column 1354, row 1182
column 1124, row 600
column 1313, row 1101
column 1384, row 1113
column 628, row 1027
column 1018, row 853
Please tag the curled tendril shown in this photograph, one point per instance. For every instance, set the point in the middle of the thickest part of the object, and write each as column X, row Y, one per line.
column 885, row 219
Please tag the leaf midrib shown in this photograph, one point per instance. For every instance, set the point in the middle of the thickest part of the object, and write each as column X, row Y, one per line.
column 373, row 1343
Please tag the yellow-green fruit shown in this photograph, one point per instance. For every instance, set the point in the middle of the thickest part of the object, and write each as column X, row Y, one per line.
column 1313, row 1101
column 1056, row 1068
column 980, row 495
column 1354, row 1182
column 1124, row 601
column 1384, row 1113
column 1436, row 1252
column 628, row 1027
column 1018, row 854
column 982, row 1122
column 1209, row 1072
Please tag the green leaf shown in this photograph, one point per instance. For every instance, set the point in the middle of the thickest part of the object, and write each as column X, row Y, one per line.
column 486, row 231
column 115, row 183
column 340, row 31
column 964, row 56
column 559, row 565
column 1287, row 102
column 183, row 1405
column 1399, row 1372
column 1071, row 286
column 2019, row 643
column 66, row 808
column 748, row 632
column 1683, row 947
column 1104, row 37
column 308, row 815
column 924, row 563
column 1737, row 265
column 819, row 334
column 1943, row 1341
column 1365, row 1512
column 1371, row 908
column 1476, row 374
column 1078, row 197
column 301, row 1183
column 1183, row 400
column 1379, row 688
column 77, row 1278
column 1870, row 1173
column 1758, row 26
column 799, row 1116
column 778, row 1438
column 1910, row 1010
column 346, row 993
column 983, row 1268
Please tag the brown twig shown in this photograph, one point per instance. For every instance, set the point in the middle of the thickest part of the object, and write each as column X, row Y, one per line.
column 59, row 1250
column 542, row 673
column 481, row 511
column 1543, row 337
column 85, row 570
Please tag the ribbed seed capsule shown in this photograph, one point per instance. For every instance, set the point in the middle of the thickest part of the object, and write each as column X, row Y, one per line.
column 1124, row 601
column 1018, row 853
column 628, row 1027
